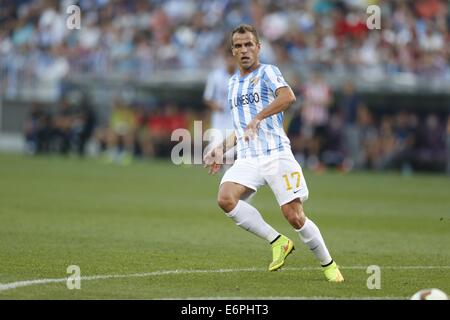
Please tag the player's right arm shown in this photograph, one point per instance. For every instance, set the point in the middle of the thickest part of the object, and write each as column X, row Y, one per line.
column 214, row 158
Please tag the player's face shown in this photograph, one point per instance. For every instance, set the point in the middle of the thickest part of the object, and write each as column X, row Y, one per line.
column 245, row 50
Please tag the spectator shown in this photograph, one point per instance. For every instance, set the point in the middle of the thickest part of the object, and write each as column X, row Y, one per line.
column 349, row 104
column 430, row 145
column 294, row 132
column 84, row 122
column 37, row 130
column 62, row 127
column 315, row 113
column 386, row 144
column 448, row 144
column 333, row 154
column 144, row 141
column 162, row 124
column 404, row 131
column 121, row 133
column 369, row 149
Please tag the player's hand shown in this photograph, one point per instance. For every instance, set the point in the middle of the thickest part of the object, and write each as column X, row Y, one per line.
column 252, row 129
column 213, row 160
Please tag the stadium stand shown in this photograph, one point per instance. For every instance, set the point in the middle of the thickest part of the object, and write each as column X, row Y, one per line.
column 135, row 45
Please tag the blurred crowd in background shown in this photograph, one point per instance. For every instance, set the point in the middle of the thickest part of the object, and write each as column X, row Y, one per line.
column 342, row 131
column 345, row 134
column 131, row 131
column 133, row 38
column 312, row 39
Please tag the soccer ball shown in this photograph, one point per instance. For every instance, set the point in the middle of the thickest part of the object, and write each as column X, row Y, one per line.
column 430, row 294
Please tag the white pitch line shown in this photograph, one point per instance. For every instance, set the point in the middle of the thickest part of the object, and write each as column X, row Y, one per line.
column 27, row 283
column 393, row 267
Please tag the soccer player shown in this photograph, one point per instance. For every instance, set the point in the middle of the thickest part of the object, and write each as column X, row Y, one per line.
column 257, row 97
column 215, row 98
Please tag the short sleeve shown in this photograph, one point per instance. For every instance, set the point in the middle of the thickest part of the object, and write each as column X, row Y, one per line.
column 274, row 78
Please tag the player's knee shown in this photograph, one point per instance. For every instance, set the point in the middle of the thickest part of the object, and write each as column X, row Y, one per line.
column 226, row 201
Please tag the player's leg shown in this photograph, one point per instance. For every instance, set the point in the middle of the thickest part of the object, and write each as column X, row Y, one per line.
column 310, row 235
column 245, row 215
column 248, row 196
column 308, row 232
column 290, row 189
column 238, row 183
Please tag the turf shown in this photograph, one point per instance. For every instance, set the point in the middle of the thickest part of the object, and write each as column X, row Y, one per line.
column 154, row 216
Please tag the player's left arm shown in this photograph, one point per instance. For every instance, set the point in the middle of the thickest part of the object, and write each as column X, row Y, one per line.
column 285, row 97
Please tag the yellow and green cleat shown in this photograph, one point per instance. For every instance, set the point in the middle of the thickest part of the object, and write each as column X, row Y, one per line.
column 332, row 273
column 281, row 248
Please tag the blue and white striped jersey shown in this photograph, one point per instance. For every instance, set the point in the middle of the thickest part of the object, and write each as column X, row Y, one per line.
column 247, row 96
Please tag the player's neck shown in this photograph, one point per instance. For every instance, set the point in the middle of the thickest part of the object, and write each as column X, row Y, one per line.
column 245, row 72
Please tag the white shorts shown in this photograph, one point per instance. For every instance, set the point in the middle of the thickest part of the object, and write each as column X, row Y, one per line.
column 280, row 171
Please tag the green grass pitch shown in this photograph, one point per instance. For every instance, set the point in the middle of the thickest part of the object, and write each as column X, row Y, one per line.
column 153, row 230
